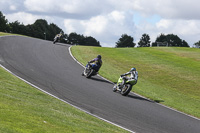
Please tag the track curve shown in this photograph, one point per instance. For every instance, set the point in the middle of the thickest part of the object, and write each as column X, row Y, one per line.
column 50, row 67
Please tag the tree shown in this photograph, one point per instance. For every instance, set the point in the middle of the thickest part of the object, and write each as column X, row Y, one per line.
column 74, row 38
column 53, row 29
column 172, row 40
column 144, row 41
column 90, row 41
column 17, row 28
column 78, row 39
column 3, row 23
column 40, row 28
column 197, row 44
column 185, row 44
column 125, row 41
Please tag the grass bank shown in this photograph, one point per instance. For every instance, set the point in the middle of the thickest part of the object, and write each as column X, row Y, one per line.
column 25, row 109
column 166, row 75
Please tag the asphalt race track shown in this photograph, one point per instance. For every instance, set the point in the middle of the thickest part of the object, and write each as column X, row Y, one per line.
column 50, row 67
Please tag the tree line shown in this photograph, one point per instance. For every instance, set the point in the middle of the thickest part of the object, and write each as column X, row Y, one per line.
column 169, row 40
column 41, row 29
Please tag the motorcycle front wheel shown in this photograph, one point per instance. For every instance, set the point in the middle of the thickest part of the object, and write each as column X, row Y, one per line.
column 115, row 88
column 126, row 89
column 89, row 73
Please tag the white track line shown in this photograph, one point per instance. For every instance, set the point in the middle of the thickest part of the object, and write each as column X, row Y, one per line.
column 136, row 93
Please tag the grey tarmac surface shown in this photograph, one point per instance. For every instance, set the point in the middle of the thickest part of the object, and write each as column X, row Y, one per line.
column 50, row 67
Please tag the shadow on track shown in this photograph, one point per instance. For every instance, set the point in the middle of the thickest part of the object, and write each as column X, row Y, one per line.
column 141, row 98
column 62, row 44
column 100, row 80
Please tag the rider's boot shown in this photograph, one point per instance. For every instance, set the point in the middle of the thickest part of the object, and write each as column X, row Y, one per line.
column 119, row 87
column 83, row 73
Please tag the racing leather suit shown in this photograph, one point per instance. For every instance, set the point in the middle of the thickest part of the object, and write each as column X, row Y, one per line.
column 133, row 75
column 97, row 63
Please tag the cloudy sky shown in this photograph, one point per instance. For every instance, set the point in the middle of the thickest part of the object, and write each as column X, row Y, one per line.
column 107, row 20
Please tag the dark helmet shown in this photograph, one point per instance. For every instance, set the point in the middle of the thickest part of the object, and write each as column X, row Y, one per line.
column 133, row 69
column 99, row 56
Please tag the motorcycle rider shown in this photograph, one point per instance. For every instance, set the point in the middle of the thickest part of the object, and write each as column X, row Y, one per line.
column 96, row 63
column 133, row 74
column 58, row 36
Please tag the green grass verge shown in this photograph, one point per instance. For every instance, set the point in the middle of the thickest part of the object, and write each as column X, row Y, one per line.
column 25, row 109
column 166, row 75
column 4, row 34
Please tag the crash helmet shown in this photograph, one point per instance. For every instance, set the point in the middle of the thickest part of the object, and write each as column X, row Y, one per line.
column 133, row 69
column 99, row 56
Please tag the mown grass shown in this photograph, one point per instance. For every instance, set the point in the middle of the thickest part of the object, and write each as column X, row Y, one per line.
column 25, row 109
column 166, row 75
column 4, row 34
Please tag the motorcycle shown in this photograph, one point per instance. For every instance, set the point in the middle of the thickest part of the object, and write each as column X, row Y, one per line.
column 55, row 40
column 125, row 88
column 89, row 71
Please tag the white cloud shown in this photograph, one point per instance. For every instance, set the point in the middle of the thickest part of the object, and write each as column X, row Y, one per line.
column 11, row 5
column 117, row 16
column 13, row 8
column 44, row 6
column 72, row 9
column 171, row 9
column 25, row 18
column 95, row 25
column 71, row 25
column 164, row 24
column 107, row 27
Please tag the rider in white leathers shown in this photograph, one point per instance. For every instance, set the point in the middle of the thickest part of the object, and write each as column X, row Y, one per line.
column 133, row 76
